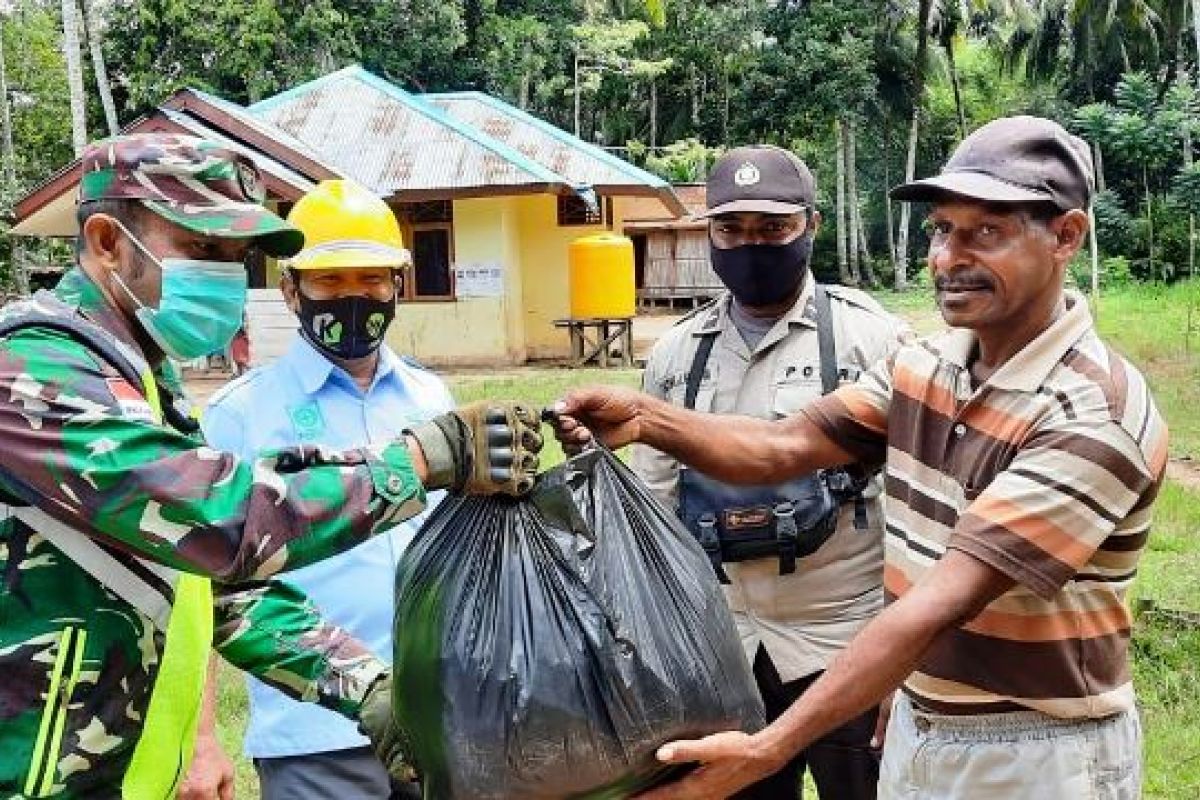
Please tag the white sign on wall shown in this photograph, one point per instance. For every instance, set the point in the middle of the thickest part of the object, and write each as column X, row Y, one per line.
column 479, row 279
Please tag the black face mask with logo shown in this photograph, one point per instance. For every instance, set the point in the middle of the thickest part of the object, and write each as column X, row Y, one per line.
column 345, row 327
column 763, row 274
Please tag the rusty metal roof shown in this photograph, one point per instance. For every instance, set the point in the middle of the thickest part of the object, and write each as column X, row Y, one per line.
column 394, row 142
column 575, row 160
column 391, row 141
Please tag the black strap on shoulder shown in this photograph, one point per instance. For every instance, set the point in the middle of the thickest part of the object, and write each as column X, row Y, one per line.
column 825, row 341
column 829, row 375
column 104, row 348
column 699, row 362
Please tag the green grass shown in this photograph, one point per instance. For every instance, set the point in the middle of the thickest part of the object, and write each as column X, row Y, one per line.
column 1148, row 325
column 1167, row 654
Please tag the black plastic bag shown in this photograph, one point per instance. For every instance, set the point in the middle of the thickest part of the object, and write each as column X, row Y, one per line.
column 546, row 647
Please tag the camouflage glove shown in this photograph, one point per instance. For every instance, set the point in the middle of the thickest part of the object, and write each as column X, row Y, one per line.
column 482, row 448
column 376, row 722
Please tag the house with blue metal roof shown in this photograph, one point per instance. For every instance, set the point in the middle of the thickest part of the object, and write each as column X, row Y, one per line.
column 488, row 197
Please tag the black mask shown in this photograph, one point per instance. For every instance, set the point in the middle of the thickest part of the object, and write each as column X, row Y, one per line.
column 763, row 274
column 345, row 327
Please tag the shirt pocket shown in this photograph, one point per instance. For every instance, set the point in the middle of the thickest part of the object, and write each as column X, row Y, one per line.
column 795, row 391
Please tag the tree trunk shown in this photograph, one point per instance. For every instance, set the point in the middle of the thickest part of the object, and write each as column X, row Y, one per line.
column 20, row 264
column 887, row 199
column 851, row 217
column 868, row 275
column 843, row 269
column 70, row 18
column 1149, row 218
column 695, row 91
column 855, row 206
column 958, row 99
column 1098, row 157
column 98, row 66
column 8, row 190
column 910, row 170
column 653, row 113
column 1181, row 76
column 1196, row 31
column 725, row 104
column 924, row 8
column 577, row 94
column 1095, row 248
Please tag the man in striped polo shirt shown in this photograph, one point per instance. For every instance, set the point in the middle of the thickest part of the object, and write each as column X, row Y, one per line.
column 1022, row 458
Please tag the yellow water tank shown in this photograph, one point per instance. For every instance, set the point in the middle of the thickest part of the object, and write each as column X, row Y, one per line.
column 602, row 277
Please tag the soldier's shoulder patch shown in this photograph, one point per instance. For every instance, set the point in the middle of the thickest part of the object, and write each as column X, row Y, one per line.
column 132, row 404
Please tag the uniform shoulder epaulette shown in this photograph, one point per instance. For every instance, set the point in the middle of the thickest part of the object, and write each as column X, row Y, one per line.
column 696, row 312
column 855, row 297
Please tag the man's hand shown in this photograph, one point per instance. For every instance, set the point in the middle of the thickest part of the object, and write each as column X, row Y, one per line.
column 482, row 448
column 211, row 774
column 609, row 413
column 729, row 762
column 377, row 722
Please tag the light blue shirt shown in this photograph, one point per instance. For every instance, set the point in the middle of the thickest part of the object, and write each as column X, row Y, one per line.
column 305, row 398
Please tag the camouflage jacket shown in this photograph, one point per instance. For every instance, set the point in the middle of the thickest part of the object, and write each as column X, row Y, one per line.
column 78, row 437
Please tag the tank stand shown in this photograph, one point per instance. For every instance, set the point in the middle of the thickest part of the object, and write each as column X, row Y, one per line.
column 592, row 338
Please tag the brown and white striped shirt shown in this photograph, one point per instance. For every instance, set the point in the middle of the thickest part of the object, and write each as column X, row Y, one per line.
column 1046, row 472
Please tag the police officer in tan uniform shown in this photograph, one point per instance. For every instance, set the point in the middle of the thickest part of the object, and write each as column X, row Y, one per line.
column 803, row 562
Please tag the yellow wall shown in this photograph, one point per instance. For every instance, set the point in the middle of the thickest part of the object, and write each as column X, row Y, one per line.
column 471, row 330
column 522, row 235
column 545, row 274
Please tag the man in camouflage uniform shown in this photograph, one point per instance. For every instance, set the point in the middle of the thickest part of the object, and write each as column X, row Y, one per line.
column 91, row 467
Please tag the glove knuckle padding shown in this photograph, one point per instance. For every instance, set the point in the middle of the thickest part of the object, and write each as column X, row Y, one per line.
column 499, row 436
column 500, row 457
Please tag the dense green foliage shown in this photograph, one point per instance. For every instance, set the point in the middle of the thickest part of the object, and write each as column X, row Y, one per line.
column 667, row 83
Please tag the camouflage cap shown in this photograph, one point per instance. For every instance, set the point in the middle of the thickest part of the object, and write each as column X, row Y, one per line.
column 195, row 183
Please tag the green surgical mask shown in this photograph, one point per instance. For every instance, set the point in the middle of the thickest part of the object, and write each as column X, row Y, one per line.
column 200, row 306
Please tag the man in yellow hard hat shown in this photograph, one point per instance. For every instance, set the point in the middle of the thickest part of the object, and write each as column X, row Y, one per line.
column 340, row 386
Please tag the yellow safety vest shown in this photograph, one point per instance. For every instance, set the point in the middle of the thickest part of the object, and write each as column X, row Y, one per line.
column 164, row 751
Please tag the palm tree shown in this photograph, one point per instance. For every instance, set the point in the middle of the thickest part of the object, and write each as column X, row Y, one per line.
column 1095, row 39
column 98, row 66
column 947, row 20
column 843, row 269
column 70, row 22
column 924, row 9
column 9, row 171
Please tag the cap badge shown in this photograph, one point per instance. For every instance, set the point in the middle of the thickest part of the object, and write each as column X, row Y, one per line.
column 251, row 183
column 747, row 175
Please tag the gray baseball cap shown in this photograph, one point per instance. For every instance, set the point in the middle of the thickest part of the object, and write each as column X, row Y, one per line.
column 762, row 178
column 1013, row 160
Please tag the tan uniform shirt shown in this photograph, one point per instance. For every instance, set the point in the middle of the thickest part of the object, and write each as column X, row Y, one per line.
column 802, row 619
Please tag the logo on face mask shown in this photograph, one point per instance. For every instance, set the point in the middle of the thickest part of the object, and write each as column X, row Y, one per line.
column 375, row 325
column 747, row 175
column 328, row 328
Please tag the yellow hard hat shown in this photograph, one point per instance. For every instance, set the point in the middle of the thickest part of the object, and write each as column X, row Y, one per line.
column 346, row 226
